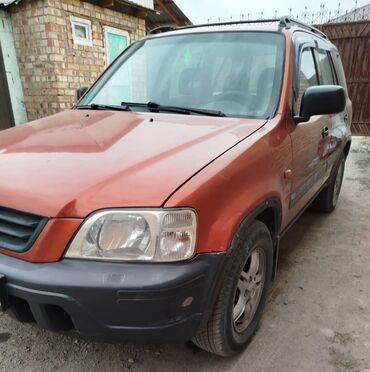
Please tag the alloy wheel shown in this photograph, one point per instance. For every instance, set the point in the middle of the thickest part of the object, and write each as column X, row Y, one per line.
column 249, row 290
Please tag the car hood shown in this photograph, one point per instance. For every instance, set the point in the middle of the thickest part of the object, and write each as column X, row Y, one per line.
column 78, row 161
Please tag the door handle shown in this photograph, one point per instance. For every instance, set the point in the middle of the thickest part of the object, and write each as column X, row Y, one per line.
column 325, row 132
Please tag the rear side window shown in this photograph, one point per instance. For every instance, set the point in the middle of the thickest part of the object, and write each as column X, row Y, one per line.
column 339, row 69
column 325, row 69
column 307, row 76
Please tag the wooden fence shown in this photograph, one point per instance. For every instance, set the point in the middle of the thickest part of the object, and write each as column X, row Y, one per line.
column 353, row 42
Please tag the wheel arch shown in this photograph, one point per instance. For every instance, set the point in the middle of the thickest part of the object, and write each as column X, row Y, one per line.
column 270, row 213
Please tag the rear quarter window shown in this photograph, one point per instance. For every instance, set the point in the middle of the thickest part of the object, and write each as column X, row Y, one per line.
column 339, row 69
column 326, row 72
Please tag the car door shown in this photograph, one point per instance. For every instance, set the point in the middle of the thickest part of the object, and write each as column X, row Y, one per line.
column 335, row 133
column 340, row 122
column 310, row 138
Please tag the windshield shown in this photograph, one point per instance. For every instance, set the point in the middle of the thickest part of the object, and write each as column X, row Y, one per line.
column 236, row 73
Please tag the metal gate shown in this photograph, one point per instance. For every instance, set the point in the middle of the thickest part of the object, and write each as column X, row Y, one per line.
column 6, row 113
column 353, row 42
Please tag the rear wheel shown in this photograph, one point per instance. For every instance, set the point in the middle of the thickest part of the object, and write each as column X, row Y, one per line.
column 238, row 308
column 327, row 200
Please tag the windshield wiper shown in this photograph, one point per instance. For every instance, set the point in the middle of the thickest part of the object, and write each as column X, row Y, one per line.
column 96, row 106
column 155, row 107
column 186, row 110
column 152, row 107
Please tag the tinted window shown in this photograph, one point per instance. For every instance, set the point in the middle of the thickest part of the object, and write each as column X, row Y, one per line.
column 238, row 73
column 307, row 76
column 326, row 73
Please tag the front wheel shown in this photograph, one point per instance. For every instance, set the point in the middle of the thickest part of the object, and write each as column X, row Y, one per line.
column 238, row 308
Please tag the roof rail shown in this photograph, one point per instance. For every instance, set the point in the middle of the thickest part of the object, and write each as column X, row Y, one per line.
column 284, row 21
column 232, row 23
column 161, row 29
column 287, row 22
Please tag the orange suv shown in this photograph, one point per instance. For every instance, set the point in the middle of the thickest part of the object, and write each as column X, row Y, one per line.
column 153, row 209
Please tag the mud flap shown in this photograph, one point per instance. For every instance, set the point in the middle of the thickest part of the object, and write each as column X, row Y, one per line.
column 3, row 294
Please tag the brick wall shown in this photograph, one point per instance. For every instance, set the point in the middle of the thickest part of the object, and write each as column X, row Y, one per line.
column 52, row 67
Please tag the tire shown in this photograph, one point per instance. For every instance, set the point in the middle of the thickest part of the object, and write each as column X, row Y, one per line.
column 327, row 200
column 229, row 329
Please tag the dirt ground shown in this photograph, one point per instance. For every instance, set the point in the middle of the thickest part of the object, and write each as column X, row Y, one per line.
column 317, row 318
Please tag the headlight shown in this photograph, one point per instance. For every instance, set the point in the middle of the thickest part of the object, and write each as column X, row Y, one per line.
column 141, row 235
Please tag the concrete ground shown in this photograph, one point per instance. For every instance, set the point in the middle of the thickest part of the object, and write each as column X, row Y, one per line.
column 317, row 318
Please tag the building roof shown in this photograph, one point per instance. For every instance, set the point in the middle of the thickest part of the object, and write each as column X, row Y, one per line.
column 134, row 8
column 167, row 13
column 9, row 2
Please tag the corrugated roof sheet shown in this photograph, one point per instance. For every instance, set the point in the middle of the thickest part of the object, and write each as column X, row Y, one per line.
column 137, row 4
column 9, row 2
column 160, row 17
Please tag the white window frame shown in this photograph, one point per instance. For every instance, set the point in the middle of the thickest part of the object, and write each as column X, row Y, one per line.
column 116, row 31
column 85, row 23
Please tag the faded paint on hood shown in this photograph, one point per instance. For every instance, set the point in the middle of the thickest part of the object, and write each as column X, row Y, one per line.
column 78, row 161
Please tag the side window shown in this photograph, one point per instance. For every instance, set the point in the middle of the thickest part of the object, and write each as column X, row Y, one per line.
column 325, row 69
column 339, row 69
column 307, row 77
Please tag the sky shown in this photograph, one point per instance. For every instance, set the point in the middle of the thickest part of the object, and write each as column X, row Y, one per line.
column 200, row 11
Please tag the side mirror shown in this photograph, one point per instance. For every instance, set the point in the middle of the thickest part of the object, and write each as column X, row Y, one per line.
column 321, row 100
column 81, row 91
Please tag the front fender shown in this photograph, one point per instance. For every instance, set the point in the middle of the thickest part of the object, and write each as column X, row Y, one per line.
column 234, row 187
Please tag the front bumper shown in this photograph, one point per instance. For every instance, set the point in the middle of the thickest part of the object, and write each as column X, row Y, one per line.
column 114, row 301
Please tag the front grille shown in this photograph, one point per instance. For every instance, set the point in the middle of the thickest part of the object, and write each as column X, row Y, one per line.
column 19, row 230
